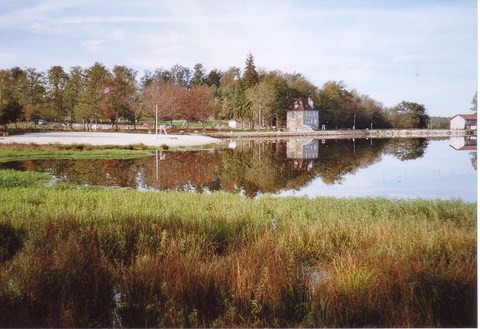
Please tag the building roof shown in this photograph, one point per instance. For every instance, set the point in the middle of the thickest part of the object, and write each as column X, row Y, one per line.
column 465, row 148
column 466, row 116
column 302, row 104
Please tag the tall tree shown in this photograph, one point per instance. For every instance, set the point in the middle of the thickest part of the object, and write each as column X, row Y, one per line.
column 121, row 94
column 198, row 77
column 250, row 75
column 94, row 102
column 57, row 82
column 198, row 103
column 336, row 104
column 234, row 103
column 213, row 78
column 74, row 89
column 32, row 95
column 164, row 96
column 181, row 75
column 10, row 106
column 261, row 98
column 368, row 112
column 301, row 86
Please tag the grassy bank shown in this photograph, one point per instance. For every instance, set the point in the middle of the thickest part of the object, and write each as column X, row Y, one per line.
column 72, row 256
column 19, row 152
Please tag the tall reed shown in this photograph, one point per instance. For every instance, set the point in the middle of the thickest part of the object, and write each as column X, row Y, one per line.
column 74, row 256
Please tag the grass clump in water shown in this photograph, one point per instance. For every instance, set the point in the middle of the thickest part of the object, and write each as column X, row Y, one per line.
column 13, row 178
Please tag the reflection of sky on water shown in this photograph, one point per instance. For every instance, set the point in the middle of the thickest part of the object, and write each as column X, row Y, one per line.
column 442, row 173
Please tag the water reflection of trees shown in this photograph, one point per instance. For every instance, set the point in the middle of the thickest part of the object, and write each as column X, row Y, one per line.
column 407, row 148
column 251, row 168
column 473, row 160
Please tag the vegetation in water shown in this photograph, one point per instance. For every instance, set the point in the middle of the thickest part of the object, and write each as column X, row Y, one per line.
column 17, row 152
column 13, row 178
column 75, row 256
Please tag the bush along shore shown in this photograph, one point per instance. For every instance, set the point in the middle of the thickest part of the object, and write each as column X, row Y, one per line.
column 72, row 256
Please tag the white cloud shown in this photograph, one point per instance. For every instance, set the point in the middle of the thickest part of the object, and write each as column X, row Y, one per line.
column 93, row 46
column 375, row 47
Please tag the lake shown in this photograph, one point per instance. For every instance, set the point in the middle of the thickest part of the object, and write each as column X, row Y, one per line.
column 391, row 168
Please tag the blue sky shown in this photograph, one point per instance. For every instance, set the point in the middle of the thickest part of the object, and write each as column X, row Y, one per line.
column 416, row 50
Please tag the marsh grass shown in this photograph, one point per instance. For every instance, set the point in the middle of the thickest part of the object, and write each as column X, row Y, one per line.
column 18, row 152
column 100, row 257
column 13, row 178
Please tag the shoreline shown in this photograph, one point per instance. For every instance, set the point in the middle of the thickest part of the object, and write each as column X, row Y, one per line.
column 336, row 134
column 109, row 138
column 125, row 139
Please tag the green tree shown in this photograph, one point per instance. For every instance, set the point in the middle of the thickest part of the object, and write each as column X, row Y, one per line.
column 74, row 93
column 198, row 77
column 300, row 86
column 10, row 107
column 57, row 82
column 93, row 102
column 181, row 75
column 234, row 104
column 213, row 79
column 32, row 95
column 285, row 94
column 261, row 98
column 250, row 76
column 337, row 106
column 368, row 113
column 409, row 115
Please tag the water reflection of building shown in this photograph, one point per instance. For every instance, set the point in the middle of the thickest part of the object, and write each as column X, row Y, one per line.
column 303, row 152
column 302, row 149
column 461, row 143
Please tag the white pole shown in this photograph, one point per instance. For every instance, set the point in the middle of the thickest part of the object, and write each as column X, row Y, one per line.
column 156, row 163
column 156, row 120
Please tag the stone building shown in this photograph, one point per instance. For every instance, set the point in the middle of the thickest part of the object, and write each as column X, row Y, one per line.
column 303, row 116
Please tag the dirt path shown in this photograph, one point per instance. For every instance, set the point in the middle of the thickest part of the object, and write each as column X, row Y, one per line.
column 99, row 138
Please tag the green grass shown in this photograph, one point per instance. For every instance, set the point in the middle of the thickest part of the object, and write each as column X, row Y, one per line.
column 12, row 178
column 19, row 152
column 74, row 256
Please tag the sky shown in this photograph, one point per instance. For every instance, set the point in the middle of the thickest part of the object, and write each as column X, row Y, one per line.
column 422, row 51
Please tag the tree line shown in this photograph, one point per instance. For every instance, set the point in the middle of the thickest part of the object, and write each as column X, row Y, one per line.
column 255, row 97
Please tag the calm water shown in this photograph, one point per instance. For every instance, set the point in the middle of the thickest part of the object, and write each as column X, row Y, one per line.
column 393, row 168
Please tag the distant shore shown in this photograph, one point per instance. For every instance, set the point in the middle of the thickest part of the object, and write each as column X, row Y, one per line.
column 326, row 134
column 110, row 138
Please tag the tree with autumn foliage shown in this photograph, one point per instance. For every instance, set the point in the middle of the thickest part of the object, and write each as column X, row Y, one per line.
column 10, row 106
column 93, row 100
column 200, row 103
column 57, row 82
column 177, row 102
column 120, row 94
